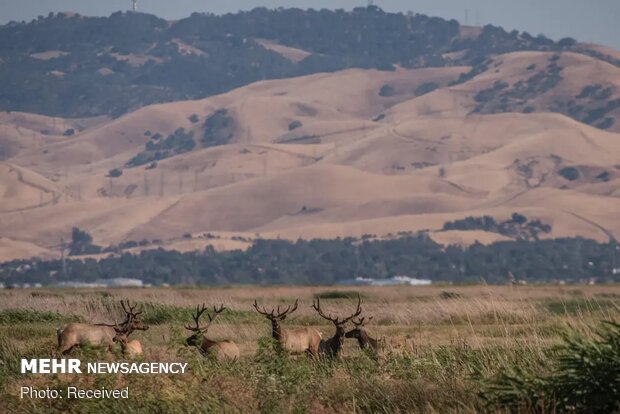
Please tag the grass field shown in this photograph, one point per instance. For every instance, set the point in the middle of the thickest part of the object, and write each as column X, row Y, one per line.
column 442, row 347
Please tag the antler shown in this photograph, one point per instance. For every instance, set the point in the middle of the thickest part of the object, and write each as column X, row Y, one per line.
column 131, row 309
column 361, row 321
column 280, row 314
column 317, row 306
column 199, row 311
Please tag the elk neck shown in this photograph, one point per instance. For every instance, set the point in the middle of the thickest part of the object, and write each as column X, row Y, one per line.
column 276, row 329
column 366, row 341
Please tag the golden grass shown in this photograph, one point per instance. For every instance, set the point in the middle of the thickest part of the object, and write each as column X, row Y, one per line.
column 428, row 324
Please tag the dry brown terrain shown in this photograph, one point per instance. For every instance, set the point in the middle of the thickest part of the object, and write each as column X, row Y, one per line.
column 360, row 163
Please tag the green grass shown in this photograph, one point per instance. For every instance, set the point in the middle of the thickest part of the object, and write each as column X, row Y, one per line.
column 577, row 306
column 20, row 316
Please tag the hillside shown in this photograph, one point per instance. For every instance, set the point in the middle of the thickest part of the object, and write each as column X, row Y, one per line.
column 77, row 66
column 351, row 153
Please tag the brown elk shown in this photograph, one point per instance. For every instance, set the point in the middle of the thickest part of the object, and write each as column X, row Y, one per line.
column 221, row 350
column 364, row 340
column 96, row 335
column 295, row 341
column 332, row 347
column 129, row 348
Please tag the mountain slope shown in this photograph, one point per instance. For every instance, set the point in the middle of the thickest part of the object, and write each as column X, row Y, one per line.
column 350, row 153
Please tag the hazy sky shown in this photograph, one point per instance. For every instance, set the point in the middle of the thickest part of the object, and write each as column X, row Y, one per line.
column 595, row 21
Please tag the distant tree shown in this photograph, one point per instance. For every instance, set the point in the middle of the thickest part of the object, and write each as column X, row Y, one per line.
column 69, row 132
column 567, row 43
column 115, row 172
column 519, row 218
column 569, row 173
column 80, row 236
column 387, row 91
column 193, row 118
column 294, row 125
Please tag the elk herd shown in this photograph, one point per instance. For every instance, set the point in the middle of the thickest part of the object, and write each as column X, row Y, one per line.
column 306, row 340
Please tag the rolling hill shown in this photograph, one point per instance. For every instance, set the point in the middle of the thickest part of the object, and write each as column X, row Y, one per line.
column 351, row 152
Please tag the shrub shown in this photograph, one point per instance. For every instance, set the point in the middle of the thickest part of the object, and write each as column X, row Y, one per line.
column 387, row 91
column 584, row 377
column 294, row 125
column 426, row 87
column 69, row 132
column 113, row 173
column 193, row 118
column 569, row 173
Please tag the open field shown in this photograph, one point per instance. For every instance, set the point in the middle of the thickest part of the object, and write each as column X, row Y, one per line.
column 441, row 345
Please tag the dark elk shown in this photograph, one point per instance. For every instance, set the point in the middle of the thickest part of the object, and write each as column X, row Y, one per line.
column 295, row 341
column 332, row 347
column 97, row 335
column 364, row 340
column 221, row 350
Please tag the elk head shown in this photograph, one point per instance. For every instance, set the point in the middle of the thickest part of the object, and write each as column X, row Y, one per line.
column 276, row 316
column 132, row 318
column 199, row 332
column 363, row 339
column 339, row 323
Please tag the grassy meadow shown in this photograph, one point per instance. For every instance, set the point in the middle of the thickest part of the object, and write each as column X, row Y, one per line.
column 445, row 348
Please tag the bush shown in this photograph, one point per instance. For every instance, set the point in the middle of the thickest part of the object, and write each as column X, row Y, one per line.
column 569, row 173
column 115, row 173
column 426, row 87
column 193, row 118
column 294, row 125
column 386, row 91
column 584, row 377
column 69, row 132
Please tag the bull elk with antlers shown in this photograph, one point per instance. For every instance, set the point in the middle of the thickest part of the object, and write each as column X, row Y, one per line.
column 364, row 340
column 295, row 341
column 129, row 348
column 97, row 335
column 221, row 350
column 332, row 347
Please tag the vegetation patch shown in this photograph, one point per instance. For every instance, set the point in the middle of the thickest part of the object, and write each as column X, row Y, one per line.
column 339, row 294
column 426, row 87
column 578, row 306
column 179, row 142
column 517, row 226
column 583, row 376
column 569, row 173
column 16, row 316
column 219, row 128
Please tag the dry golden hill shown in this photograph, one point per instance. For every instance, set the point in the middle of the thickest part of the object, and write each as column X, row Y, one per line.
column 334, row 154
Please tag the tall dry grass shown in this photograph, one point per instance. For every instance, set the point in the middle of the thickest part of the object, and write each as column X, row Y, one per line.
column 432, row 336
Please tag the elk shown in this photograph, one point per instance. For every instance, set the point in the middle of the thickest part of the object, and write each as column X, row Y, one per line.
column 222, row 350
column 96, row 335
column 129, row 348
column 295, row 341
column 364, row 340
column 332, row 347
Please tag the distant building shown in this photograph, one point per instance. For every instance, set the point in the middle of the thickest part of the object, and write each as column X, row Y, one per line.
column 392, row 281
column 104, row 283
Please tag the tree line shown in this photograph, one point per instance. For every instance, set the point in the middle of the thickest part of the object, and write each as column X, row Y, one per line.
column 331, row 261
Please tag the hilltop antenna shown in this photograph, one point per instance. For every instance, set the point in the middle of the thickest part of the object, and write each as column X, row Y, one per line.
column 134, row 4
